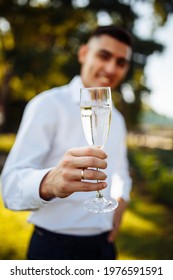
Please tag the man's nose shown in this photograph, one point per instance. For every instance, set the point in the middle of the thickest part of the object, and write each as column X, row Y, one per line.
column 111, row 67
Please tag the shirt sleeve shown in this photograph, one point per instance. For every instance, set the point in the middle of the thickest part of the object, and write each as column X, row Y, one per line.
column 121, row 181
column 25, row 166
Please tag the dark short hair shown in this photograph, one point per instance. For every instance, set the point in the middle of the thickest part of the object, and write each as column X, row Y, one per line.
column 114, row 31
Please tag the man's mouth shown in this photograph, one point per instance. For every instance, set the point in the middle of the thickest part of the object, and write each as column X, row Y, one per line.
column 105, row 80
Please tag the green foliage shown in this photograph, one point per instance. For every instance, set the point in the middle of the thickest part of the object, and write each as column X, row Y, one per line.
column 154, row 168
column 146, row 225
column 162, row 187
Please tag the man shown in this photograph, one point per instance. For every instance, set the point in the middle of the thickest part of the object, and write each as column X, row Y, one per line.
column 50, row 158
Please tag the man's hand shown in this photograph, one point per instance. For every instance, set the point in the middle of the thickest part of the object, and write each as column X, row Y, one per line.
column 66, row 177
column 117, row 219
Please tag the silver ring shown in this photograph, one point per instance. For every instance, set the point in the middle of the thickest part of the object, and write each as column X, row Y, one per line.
column 82, row 177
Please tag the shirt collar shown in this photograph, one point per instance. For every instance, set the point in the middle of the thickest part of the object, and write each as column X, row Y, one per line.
column 75, row 86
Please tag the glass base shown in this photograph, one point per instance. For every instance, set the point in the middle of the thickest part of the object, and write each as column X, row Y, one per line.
column 100, row 204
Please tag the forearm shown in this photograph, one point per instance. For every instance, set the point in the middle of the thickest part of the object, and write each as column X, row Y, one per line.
column 117, row 219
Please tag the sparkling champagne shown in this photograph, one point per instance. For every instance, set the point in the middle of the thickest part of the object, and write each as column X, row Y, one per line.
column 96, row 124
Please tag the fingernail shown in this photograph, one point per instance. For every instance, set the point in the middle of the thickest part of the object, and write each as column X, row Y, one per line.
column 105, row 185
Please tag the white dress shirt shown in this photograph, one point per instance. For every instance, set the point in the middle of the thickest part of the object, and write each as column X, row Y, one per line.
column 51, row 124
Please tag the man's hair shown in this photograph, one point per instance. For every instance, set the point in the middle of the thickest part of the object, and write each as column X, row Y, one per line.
column 115, row 32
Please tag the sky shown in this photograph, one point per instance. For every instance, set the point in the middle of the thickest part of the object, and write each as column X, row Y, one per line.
column 159, row 67
column 159, row 72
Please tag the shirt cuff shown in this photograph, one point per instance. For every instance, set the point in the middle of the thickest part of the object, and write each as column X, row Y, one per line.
column 121, row 188
column 31, row 194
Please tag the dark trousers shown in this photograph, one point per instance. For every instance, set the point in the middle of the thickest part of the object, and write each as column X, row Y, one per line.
column 45, row 245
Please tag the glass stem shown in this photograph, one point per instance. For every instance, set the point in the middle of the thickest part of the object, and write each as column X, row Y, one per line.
column 99, row 193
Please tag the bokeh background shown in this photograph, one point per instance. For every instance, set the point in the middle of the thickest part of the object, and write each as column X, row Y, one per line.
column 39, row 40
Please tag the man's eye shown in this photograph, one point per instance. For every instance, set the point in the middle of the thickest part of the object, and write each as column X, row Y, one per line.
column 122, row 62
column 104, row 56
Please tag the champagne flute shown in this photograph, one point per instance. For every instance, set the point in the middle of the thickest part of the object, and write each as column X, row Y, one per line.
column 96, row 105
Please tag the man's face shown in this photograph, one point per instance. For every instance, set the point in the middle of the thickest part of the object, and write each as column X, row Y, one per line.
column 104, row 62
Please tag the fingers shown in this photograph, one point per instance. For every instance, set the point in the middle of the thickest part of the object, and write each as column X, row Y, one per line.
column 85, row 174
column 85, row 187
column 77, row 166
column 85, row 157
column 91, row 174
column 88, row 151
column 93, row 162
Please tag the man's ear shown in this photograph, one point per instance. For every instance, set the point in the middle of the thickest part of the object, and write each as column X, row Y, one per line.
column 82, row 53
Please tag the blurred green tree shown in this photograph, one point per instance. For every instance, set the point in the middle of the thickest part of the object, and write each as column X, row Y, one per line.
column 38, row 46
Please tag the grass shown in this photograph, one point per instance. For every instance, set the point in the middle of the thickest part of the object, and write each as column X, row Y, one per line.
column 14, row 234
column 146, row 231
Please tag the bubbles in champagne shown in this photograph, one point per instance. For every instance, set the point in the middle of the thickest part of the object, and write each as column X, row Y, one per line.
column 96, row 123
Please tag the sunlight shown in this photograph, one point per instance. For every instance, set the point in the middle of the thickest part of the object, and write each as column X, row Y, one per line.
column 103, row 18
column 22, row 2
column 80, row 3
column 4, row 25
column 35, row 3
column 127, row 93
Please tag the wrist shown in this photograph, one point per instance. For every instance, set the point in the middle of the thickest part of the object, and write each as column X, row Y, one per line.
column 45, row 190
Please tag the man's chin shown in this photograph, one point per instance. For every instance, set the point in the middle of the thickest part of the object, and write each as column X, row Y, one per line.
column 103, row 84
